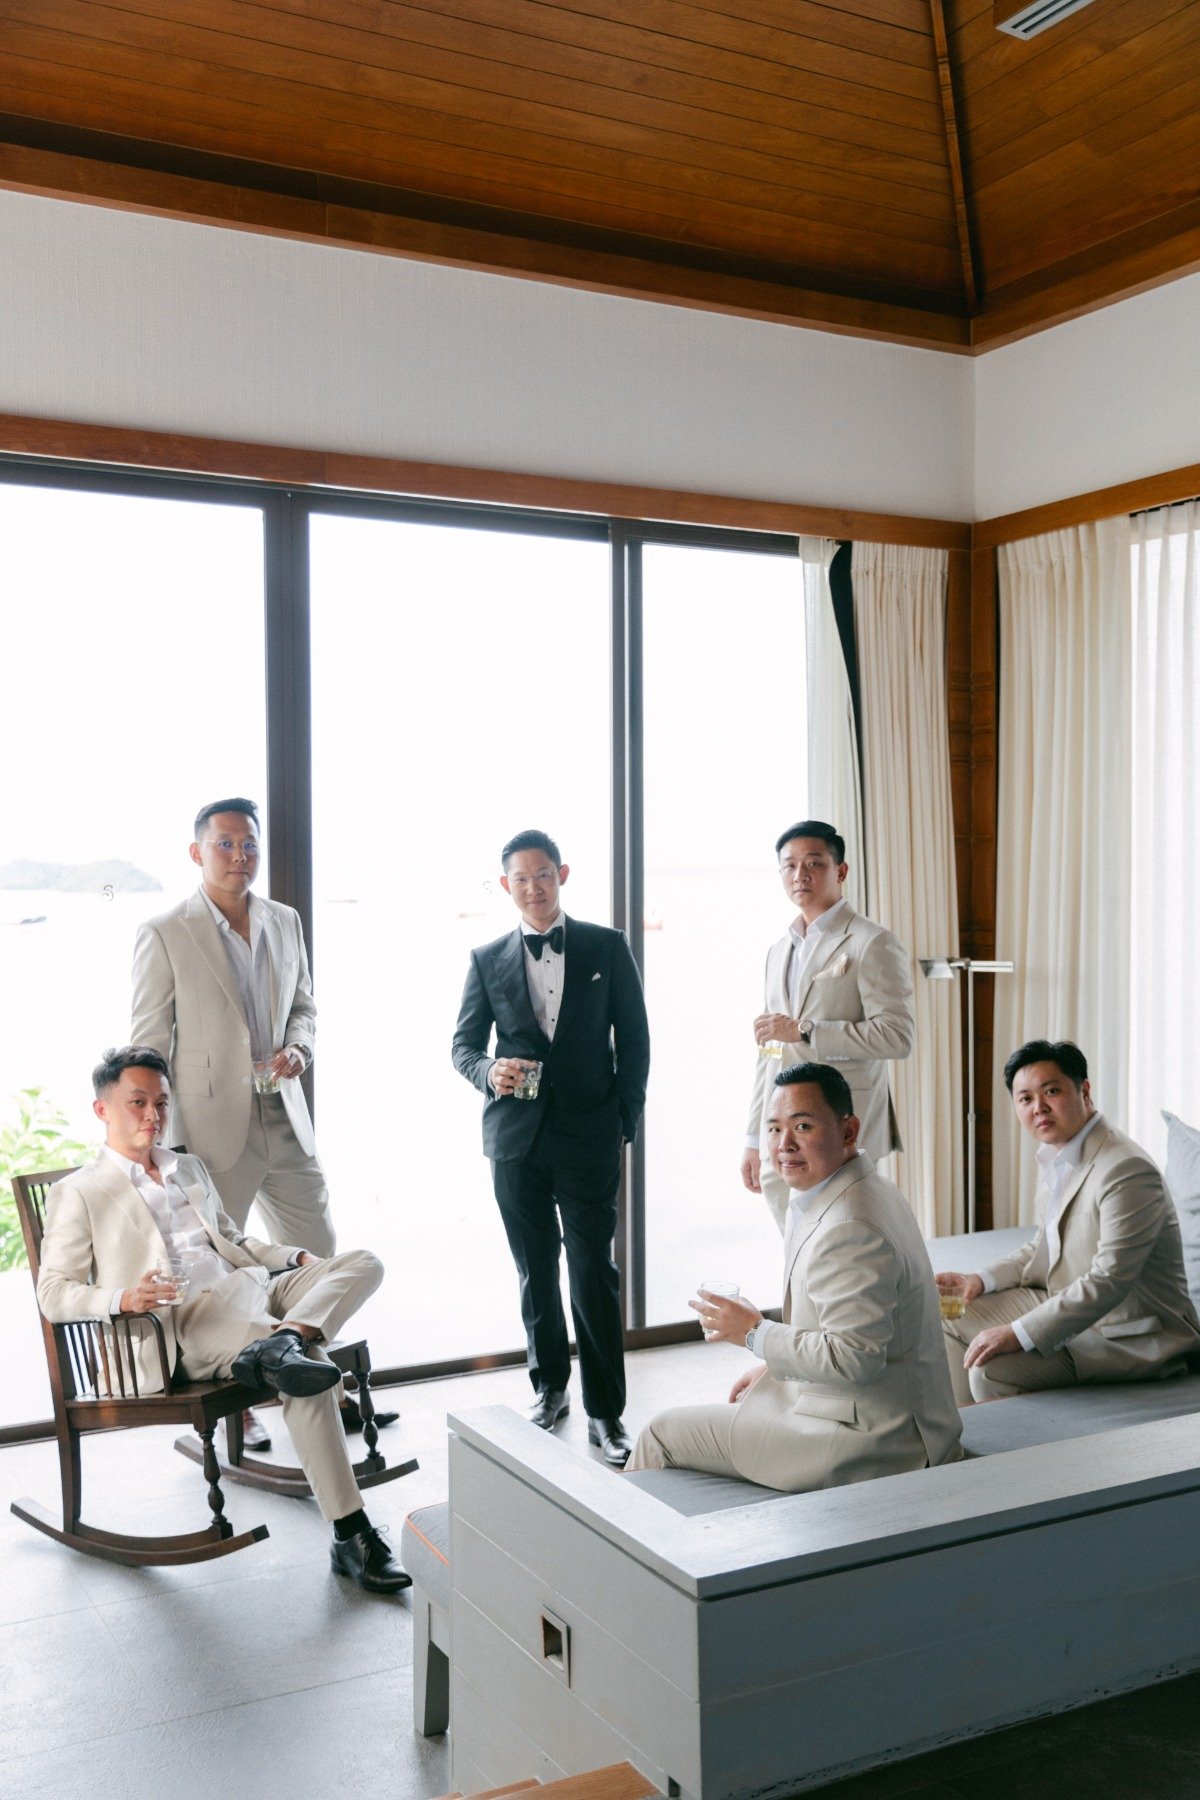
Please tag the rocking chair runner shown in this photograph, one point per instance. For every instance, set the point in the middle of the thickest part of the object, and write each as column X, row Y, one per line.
column 94, row 1385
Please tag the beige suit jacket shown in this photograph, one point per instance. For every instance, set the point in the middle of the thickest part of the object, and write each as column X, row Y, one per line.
column 858, row 993
column 101, row 1238
column 1116, row 1293
column 857, row 1382
column 186, row 1005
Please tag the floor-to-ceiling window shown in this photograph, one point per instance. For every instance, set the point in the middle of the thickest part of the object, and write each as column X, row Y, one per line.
column 460, row 693
column 131, row 638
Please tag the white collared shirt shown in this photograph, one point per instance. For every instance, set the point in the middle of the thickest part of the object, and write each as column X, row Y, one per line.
column 189, row 1247
column 805, row 939
column 1059, row 1162
column 545, row 975
column 799, row 1201
column 250, row 967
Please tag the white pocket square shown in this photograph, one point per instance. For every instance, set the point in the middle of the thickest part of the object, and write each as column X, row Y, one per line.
column 596, row 976
column 835, row 968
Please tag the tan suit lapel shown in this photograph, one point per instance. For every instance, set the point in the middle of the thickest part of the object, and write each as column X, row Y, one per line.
column 1095, row 1138
column 207, row 939
column 273, row 934
column 830, row 943
column 121, row 1193
column 202, row 1206
column 798, row 1235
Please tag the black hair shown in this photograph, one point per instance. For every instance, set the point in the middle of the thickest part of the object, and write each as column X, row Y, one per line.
column 113, row 1064
column 1064, row 1054
column 531, row 840
column 238, row 804
column 814, row 828
column 831, row 1081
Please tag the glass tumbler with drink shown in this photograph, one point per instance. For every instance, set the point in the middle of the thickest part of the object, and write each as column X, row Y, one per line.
column 266, row 1080
column 167, row 1276
column 720, row 1290
column 952, row 1298
column 529, row 1082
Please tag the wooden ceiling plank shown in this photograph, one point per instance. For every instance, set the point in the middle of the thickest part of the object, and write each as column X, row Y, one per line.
column 817, row 244
column 717, row 94
column 958, row 182
column 765, row 57
column 1162, row 96
column 859, row 32
column 888, row 222
column 1148, row 65
column 655, row 101
column 1009, row 66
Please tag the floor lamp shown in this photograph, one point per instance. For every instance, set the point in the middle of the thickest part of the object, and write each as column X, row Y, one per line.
column 945, row 968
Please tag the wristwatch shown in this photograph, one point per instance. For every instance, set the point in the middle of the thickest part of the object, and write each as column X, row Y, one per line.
column 806, row 1031
column 749, row 1336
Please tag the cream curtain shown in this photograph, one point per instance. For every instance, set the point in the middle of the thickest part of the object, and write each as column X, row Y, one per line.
column 834, row 789
column 900, row 622
column 1163, row 861
column 1064, row 853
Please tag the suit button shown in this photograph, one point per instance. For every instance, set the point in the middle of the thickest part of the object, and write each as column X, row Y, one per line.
column 245, row 1081
column 246, row 1040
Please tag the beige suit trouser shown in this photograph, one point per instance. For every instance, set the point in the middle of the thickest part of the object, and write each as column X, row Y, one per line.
column 214, row 1325
column 286, row 1182
column 1023, row 1372
column 687, row 1437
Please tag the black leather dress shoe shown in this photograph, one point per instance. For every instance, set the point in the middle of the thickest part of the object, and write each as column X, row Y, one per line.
column 549, row 1408
column 352, row 1419
column 613, row 1441
column 369, row 1559
column 279, row 1362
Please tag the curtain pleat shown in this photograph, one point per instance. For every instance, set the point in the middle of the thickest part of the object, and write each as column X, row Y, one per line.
column 834, row 788
column 1063, row 887
column 900, row 622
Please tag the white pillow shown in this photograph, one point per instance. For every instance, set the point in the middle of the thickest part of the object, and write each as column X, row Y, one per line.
column 1183, row 1184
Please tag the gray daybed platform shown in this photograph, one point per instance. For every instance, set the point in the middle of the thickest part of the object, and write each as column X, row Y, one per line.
column 735, row 1643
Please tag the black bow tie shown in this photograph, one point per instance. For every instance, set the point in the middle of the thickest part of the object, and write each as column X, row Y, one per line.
column 535, row 942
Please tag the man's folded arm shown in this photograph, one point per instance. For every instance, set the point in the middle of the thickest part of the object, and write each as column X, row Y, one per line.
column 853, row 1280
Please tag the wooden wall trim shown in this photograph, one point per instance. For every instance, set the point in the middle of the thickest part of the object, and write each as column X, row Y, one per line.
column 116, row 445
column 1083, row 509
column 338, row 214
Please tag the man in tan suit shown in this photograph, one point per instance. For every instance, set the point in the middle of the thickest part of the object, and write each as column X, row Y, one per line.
column 839, row 987
column 853, row 1384
column 123, row 1233
column 220, row 983
column 1099, row 1292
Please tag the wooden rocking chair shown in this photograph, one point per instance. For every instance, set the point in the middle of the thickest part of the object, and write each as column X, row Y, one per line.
column 94, row 1385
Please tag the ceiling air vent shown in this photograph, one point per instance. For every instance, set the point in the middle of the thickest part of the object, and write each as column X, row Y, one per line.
column 1028, row 21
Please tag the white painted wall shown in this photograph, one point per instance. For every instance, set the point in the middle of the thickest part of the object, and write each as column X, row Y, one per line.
column 1103, row 399
column 115, row 318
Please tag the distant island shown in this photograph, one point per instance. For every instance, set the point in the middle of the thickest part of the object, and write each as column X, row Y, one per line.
column 79, row 878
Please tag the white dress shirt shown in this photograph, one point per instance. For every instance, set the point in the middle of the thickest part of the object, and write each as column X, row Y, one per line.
column 545, row 975
column 250, row 967
column 191, row 1251
column 805, row 939
column 799, row 1201
column 1059, row 1163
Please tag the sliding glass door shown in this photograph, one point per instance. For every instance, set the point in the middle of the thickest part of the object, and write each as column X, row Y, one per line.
column 460, row 693
column 725, row 770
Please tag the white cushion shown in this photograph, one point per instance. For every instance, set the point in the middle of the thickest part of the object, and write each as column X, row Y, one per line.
column 1183, row 1185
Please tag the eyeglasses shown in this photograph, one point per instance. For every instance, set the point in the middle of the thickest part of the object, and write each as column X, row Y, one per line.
column 540, row 877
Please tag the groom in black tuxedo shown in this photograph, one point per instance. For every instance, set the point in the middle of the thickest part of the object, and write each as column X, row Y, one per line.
column 567, row 995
